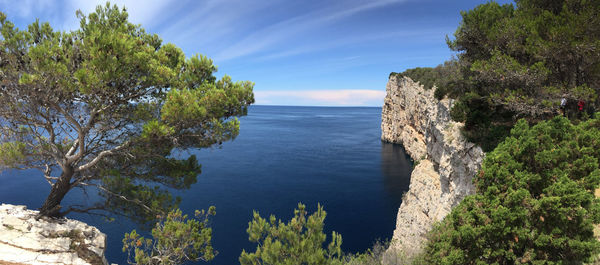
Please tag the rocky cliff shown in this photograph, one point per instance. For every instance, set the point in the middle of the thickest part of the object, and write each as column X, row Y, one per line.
column 25, row 240
column 444, row 161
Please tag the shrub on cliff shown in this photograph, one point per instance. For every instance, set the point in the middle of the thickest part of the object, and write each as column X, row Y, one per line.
column 445, row 77
column 300, row 241
column 485, row 124
column 176, row 239
column 104, row 106
column 535, row 200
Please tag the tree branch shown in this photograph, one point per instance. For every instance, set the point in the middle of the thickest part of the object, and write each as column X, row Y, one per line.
column 100, row 156
column 72, row 149
column 86, row 210
column 48, row 175
column 80, row 134
column 138, row 202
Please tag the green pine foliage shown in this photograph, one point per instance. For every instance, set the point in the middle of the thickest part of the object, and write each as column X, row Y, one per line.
column 485, row 124
column 535, row 200
column 176, row 239
column 299, row 241
column 11, row 153
column 106, row 105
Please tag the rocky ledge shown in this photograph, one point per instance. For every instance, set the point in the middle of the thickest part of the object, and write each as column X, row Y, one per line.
column 25, row 240
column 445, row 162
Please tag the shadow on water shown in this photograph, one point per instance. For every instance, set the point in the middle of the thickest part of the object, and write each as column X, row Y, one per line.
column 396, row 167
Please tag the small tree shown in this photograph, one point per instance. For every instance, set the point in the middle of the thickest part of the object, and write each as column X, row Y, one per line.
column 105, row 106
column 300, row 241
column 535, row 200
column 176, row 239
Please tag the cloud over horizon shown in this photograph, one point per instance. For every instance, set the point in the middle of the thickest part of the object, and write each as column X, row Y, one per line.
column 342, row 97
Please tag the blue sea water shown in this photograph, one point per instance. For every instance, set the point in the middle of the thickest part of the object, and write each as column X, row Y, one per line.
column 283, row 155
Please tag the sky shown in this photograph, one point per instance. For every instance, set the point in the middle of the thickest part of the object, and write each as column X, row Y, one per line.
column 297, row 52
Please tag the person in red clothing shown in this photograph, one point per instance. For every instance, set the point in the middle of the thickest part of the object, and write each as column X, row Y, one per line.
column 580, row 106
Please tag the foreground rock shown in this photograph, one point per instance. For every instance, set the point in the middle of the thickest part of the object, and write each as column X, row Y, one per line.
column 445, row 162
column 25, row 240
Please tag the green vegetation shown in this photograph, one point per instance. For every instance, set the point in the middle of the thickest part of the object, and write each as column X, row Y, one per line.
column 300, row 241
column 535, row 200
column 519, row 61
column 485, row 124
column 445, row 77
column 177, row 239
column 539, row 50
column 105, row 105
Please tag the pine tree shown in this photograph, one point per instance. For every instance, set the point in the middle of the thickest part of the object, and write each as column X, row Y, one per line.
column 105, row 106
column 300, row 241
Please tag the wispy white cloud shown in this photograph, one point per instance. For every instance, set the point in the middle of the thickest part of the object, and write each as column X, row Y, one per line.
column 268, row 36
column 213, row 22
column 334, row 43
column 344, row 97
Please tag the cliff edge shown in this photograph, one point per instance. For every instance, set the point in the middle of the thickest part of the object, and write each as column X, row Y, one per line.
column 25, row 240
column 445, row 162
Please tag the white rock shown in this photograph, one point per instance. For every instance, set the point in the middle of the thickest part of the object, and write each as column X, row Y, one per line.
column 97, row 250
column 16, row 223
column 99, row 240
column 13, row 254
column 25, row 240
column 60, row 258
column 411, row 116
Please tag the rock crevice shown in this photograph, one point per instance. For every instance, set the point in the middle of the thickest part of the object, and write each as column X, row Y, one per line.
column 445, row 162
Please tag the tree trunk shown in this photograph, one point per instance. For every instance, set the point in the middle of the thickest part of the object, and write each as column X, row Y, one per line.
column 51, row 206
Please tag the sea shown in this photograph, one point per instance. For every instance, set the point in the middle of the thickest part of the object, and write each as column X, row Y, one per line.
column 332, row 156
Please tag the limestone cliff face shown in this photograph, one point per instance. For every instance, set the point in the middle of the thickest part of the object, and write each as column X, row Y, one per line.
column 445, row 162
column 25, row 240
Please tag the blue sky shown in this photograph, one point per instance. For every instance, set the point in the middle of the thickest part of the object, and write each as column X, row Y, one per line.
column 303, row 52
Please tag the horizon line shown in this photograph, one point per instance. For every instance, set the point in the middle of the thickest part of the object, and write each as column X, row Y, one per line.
column 324, row 106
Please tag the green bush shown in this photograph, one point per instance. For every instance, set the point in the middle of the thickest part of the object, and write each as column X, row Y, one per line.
column 535, row 201
column 485, row 124
column 424, row 75
column 177, row 239
column 300, row 241
column 459, row 111
column 444, row 77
